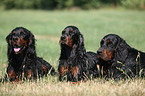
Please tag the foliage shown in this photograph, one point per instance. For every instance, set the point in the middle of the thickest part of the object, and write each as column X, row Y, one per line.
column 29, row 4
column 61, row 4
column 134, row 4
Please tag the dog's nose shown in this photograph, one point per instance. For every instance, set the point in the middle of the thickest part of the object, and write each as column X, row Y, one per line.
column 99, row 52
column 15, row 39
column 63, row 37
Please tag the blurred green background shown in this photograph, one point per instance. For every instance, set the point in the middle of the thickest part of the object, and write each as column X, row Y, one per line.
column 62, row 4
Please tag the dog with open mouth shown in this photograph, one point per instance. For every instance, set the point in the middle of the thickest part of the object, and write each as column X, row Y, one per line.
column 23, row 62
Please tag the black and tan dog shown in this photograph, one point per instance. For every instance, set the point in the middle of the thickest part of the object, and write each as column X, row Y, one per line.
column 22, row 58
column 119, row 60
column 75, row 63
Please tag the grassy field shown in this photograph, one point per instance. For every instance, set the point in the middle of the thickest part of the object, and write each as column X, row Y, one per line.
column 94, row 24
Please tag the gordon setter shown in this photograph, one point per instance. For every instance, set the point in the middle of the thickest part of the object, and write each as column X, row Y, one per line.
column 119, row 60
column 23, row 62
column 75, row 64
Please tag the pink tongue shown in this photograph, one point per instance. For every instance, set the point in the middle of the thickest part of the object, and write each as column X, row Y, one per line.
column 17, row 49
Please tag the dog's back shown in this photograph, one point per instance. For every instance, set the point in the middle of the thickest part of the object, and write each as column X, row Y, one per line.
column 92, row 64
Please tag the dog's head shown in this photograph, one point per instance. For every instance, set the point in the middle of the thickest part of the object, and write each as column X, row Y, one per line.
column 71, row 37
column 19, row 39
column 71, row 42
column 109, row 45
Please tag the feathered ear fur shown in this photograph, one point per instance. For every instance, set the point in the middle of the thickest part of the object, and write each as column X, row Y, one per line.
column 31, row 41
column 121, row 49
column 121, row 44
column 9, row 52
column 31, row 45
column 8, row 39
column 80, row 42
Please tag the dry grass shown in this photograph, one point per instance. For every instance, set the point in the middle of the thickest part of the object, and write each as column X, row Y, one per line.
column 97, row 87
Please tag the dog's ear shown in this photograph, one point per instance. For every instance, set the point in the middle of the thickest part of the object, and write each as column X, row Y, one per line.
column 121, row 50
column 9, row 39
column 79, row 38
column 9, row 49
column 121, row 44
column 80, row 42
column 31, row 39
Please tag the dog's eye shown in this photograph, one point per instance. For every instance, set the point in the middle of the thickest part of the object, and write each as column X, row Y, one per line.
column 14, row 33
column 110, row 44
column 22, row 33
column 70, row 32
column 63, row 32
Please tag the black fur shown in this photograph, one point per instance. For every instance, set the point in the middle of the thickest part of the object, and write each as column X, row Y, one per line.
column 119, row 59
column 75, row 63
column 22, row 58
